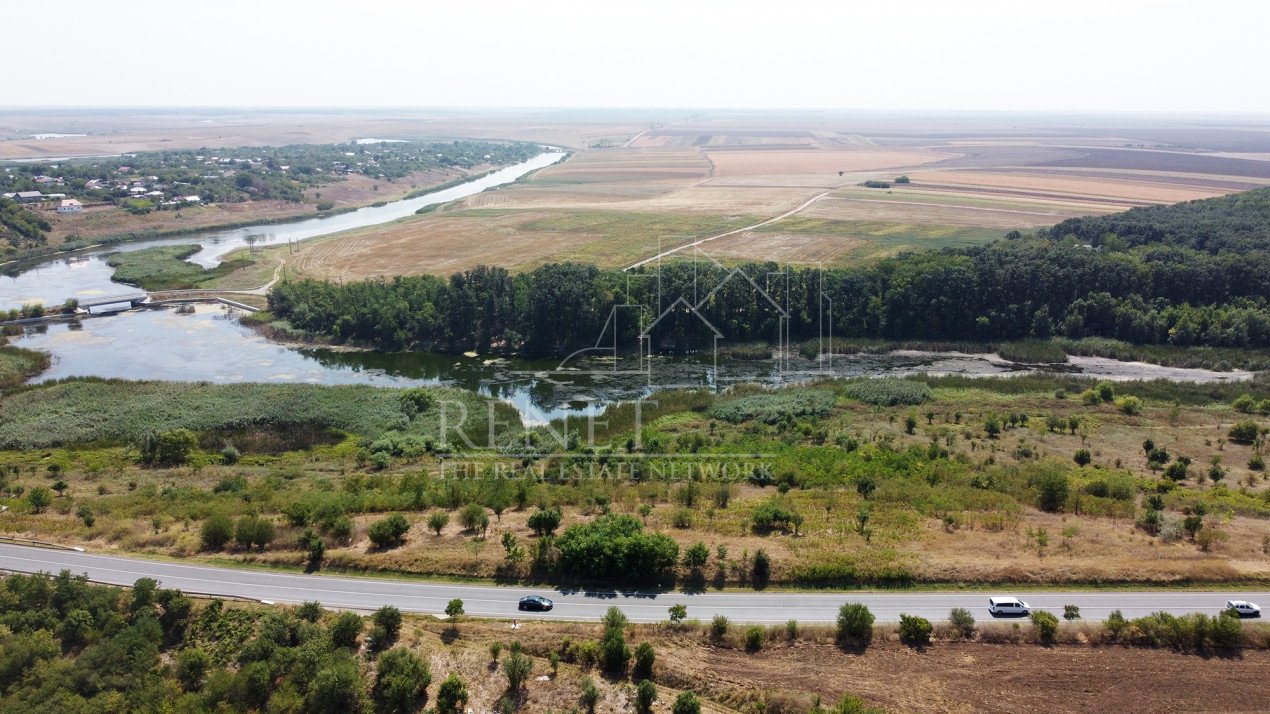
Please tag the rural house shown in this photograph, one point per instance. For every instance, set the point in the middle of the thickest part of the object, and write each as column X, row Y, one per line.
column 70, row 205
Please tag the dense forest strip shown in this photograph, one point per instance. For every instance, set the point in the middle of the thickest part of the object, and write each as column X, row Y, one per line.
column 1195, row 273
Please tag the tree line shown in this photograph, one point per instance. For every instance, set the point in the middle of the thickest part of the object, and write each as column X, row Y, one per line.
column 1196, row 273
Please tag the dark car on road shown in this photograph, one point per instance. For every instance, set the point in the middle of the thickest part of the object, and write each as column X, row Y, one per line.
column 535, row 602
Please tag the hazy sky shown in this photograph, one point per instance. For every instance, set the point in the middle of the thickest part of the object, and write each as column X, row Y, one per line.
column 1076, row 55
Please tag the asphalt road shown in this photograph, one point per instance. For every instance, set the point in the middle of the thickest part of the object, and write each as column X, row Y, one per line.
column 494, row 601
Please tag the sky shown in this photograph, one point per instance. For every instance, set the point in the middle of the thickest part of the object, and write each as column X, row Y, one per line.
column 975, row 55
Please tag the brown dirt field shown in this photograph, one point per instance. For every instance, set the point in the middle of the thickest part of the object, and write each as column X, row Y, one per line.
column 792, row 248
column 900, row 211
column 1051, row 184
column 749, row 163
column 966, row 677
column 440, row 244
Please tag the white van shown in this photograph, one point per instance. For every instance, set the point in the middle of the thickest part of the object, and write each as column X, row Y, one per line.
column 1006, row 606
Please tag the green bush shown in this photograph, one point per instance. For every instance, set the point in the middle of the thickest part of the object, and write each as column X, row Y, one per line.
column 1129, row 405
column 775, row 406
column 915, row 631
column 345, row 629
column 888, row 391
column 615, row 547
column 644, row 659
column 1244, row 432
column 962, row 620
column 645, row 695
column 761, row 571
column 1046, row 626
column 388, row 532
column 216, row 532
column 719, row 627
column 168, row 448
column 545, row 521
column 452, row 696
column 686, row 703
column 754, row 637
column 401, row 678
column 1051, row 490
column 855, row 625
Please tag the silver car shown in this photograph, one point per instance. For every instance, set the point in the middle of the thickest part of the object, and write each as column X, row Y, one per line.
column 1243, row 608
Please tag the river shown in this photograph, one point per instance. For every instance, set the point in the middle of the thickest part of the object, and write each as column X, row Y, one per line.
column 86, row 275
column 210, row 345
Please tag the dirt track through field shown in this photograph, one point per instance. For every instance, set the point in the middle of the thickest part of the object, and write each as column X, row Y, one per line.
column 760, row 224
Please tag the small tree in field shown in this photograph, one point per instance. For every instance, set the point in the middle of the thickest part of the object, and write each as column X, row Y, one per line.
column 454, row 609
column 914, row 631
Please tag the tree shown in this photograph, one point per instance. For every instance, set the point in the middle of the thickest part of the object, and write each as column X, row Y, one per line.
column 1071, row 612
column 855, row 625
column 1051, row 491
column 454, row 609
column 336, row 689
column 761, row 572
column 644, row 658
column 387, row 626
column 645, row 695
column 615, row 547
column 345, row 629
column 389, row 532
column 545, row 521
column 452, row 696
column 437, row 521
column 39, row 499
column 614, row 654
column 515, row 553
column 473, row 518
column 315, row 546
column 401, row 679
column 686, row 703
column 517, row 667
column 216, row 532
column 915, row 631
column 192, row 665
column 1082, row 458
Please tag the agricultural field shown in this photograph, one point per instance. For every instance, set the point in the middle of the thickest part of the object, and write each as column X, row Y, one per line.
column 962, row 190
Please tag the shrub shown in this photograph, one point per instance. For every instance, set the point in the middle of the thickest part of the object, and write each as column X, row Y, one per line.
column 345, row 629
column 1051, row 491
column 677, row 614
column 761, row 571
column 1225, row 631
column 686, row 703
column 644, row 658
column 545, row 521
column 230, row 455
column 1046, row 626
column 719, row 627
column 1244, row 403
column 1071, row 612
column 915, row 631
column 855, row 625
column 1129, row 405
column 771, row 515
column 962, row 620
column 473, row 517
column 614, row 654
column 517, row 667
column 309, row 611
column 754, row 637
column 437, row 520
column 388, row 532
column 614, row 547
column 1116, row 624
column 775, row 406
column 452, row 695
column 1255, row 463
column 1244, row 432
column 254, row 530
column 192, row 665
column 590, row 694
column 645, row 695
column 39, row 499
column 167, row 448
column 888, row 391
column 1082, row 457
column 387, row 622
column 401, row 679
column 216, row 532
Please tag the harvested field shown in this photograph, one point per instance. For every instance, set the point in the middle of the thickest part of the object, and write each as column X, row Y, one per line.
column 750, row 163
column 1166, row 161
column 1058, row 186
column 919, row 209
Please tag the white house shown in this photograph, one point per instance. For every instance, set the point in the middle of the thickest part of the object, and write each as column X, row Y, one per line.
column 192, row 199
column 70, row 205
